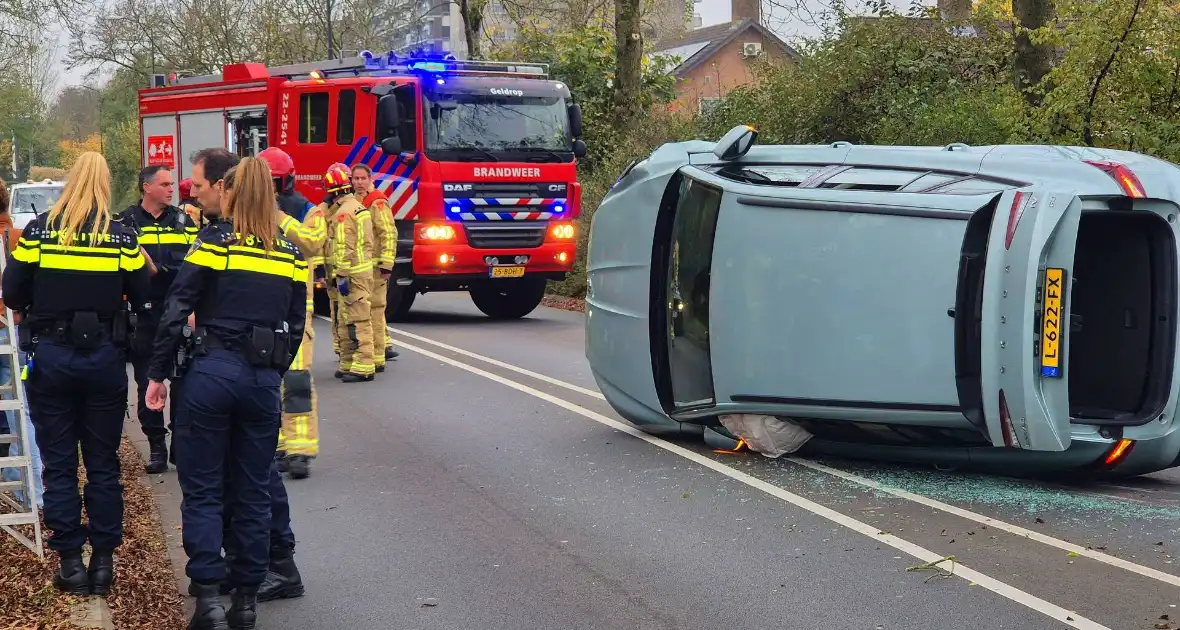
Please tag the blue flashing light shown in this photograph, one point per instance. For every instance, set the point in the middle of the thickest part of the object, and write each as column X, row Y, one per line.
column 429, row 66
column 439, row 81
column 455, row 209
column 558, row 208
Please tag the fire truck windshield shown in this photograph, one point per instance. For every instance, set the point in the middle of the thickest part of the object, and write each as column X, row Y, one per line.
column 486, row 126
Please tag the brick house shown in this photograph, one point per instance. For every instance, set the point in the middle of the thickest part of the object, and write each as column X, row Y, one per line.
column 716, row 59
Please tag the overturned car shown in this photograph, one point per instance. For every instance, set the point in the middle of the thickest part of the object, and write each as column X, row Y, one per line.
column 1007, row 306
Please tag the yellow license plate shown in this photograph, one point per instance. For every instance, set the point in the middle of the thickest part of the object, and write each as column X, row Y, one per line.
column 1051, row 316
column 506, row 272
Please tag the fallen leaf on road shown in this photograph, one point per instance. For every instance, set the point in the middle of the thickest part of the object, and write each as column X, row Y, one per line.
column 1040, row 520
column 430, row 601
column 684, row 496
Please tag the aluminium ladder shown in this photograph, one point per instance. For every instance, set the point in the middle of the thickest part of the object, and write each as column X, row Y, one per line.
column 14, row 512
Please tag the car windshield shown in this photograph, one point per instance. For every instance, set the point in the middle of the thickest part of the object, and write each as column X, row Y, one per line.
column 34, row 199
column 486, row 122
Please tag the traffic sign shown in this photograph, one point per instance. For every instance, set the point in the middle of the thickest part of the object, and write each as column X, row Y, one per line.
column 160, row 151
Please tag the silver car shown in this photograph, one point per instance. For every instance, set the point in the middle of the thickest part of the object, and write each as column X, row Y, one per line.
column 30, row 199
column 1007, row 306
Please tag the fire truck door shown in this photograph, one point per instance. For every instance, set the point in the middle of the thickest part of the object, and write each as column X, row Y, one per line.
column 198, row 130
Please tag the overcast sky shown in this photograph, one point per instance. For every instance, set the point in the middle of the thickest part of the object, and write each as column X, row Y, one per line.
column 711, row 11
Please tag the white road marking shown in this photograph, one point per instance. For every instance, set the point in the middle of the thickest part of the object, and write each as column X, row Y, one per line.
column 500, row 364
column 1017, row 530
column 1028, row 600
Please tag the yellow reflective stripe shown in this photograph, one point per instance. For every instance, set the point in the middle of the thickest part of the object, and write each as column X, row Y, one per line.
column 258, row 251
column 299, row 272
column 26, row 254
column 78, row 261
column 389, row 243
column 362, row 248
column 368, row 266
column 207, row 256
column 133, row 261
column 171, row 238
column 315, row 261
column 192, row 230
column 338, row 257
column 255, row 264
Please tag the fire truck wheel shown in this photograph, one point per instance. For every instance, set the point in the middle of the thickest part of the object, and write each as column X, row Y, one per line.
column 398, row 302
column 510, row 299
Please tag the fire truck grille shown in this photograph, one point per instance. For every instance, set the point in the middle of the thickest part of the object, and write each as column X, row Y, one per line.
column 514, row 235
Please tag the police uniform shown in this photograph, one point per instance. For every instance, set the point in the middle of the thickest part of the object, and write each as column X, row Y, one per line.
column 384, row 251
column 299, row 439
column 73, row 323
column 165, row 238
column 350, row 238
column 249, row 304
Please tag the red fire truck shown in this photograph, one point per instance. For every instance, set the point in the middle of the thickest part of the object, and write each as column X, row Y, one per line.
column 478, row 158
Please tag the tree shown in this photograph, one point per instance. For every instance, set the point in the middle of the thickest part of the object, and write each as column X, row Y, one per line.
column 1034, row 48
column 628, row 61
column 472, row 13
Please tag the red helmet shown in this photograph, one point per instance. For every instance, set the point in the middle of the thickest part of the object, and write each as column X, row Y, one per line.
column 282, row 168
column 186, row 189
column 337, row 179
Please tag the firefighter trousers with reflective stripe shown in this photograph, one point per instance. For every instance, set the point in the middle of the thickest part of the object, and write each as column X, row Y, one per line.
column 380, row 336
column 354, row 326
column 300, row 433
column 333, row 300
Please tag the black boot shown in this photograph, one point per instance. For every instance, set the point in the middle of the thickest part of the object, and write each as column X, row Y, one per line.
column 172, row 452
column 210, row 612
column 356, row 378
column 339, row 374
column 158, row 458
column 283, row 461
column 194, row 589
column 390, row 353
column 282, row 577
column 381, row 367
column 242, row 613
column 71, row 577
column 101, row 572
column 300, row 466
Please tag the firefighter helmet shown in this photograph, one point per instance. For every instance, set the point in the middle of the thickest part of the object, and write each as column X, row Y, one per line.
column 337, row 179
column 186, row 189
column 282, row 169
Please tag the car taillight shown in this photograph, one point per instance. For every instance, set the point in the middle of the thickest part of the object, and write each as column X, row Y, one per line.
column 1122, row 175
column 1006, row 423
column 1019, row 203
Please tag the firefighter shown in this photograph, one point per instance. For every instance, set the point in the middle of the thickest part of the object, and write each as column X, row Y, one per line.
column 165, row 232
column 303, row 223
column 349, row 258
column 189, row 204
column 384, row 249
column 68, row 275
column 247, row 285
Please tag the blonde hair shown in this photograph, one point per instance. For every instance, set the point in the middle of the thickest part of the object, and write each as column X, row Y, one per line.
column 252, row 201
column 86, row 197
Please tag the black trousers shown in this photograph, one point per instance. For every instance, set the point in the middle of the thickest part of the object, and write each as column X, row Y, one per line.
column 80, row 397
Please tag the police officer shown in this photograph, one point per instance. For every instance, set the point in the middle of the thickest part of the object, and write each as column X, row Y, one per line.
column 384, row 252
column 283, row 580
column 68, row 274
column 303, row 223
column 351, row 268
column 247, row 284
column 165, row 232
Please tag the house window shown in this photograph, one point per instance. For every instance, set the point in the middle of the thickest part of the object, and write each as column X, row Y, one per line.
column 313, row 118
column 708, row 104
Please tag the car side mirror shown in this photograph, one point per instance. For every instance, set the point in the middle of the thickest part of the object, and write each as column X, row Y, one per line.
column 388, row 115
column 575, row 114
column 579, row 148
column 391, row 145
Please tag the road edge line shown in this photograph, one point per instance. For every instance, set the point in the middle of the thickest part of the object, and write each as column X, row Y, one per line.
column 1003, row 589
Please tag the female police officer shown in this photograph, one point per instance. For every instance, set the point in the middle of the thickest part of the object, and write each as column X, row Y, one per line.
column 68, row 275
column 247, row 285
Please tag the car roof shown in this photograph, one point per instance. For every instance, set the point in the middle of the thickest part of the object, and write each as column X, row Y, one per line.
column 1057, row 167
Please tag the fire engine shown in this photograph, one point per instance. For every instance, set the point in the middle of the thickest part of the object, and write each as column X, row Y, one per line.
column 478, row 158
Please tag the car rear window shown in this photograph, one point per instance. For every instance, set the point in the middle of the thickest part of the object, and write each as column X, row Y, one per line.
column 34, row 199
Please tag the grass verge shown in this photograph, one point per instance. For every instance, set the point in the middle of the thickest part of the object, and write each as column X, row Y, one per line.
column 144, row 596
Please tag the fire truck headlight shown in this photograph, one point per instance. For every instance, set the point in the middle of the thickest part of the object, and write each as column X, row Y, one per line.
column 562, row 231
column 436, row 232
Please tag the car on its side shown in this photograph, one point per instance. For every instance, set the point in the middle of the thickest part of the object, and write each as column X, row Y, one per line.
column 1011, row 307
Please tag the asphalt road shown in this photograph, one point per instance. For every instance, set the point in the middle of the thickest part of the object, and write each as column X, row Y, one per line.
column 458, row 492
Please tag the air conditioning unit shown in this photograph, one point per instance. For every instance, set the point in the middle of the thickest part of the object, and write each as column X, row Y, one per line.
column 751, row 49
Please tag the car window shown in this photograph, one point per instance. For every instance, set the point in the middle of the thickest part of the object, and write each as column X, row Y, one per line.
column 34, row 199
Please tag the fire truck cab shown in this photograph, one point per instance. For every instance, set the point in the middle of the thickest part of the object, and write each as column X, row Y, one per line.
column 478, row 159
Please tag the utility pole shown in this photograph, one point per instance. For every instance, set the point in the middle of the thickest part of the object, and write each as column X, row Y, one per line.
column 330, row 55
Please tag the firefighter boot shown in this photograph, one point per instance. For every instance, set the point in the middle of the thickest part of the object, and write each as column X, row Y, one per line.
column 283, row 461
column 300, row 466
column 101, row 572
column 243, row 608
column 210, row 612
column 390, row 353
column 71, row 577
column 158, row 458
column 282, row 577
